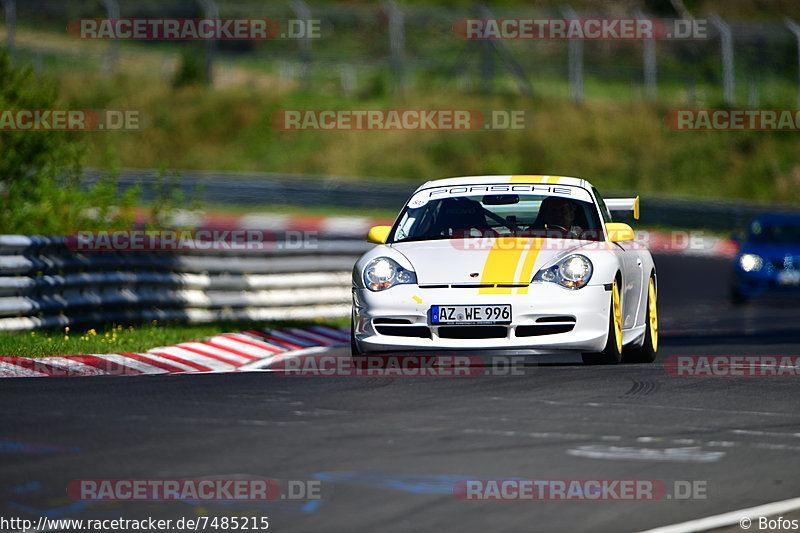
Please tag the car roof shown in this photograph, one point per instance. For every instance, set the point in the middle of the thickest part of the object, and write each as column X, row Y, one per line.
column 515, row 178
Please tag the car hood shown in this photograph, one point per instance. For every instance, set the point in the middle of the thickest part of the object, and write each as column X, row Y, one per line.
column 506, row 260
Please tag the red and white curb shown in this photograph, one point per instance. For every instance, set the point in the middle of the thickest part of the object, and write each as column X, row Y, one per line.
column 322, row 224
column 222, row 353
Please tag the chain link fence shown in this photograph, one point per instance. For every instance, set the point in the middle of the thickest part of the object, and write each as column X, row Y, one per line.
column 393, row 48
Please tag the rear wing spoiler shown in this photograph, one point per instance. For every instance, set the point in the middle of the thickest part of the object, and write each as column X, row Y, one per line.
column 624, row 204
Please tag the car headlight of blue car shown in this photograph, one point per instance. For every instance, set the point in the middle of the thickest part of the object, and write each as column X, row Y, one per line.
column 751, row 262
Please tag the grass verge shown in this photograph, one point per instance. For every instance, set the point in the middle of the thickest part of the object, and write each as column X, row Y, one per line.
column 116, row 338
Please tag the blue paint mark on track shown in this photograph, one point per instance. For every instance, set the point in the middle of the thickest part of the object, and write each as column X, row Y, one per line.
column 416, row 483
column 34, row 448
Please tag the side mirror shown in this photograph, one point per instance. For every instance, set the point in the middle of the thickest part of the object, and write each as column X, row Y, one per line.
column 378, row 234
column 618, row 232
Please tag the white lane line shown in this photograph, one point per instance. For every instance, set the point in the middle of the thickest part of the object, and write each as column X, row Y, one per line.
column 689, row 454
column 727, row 519
column 764, row 433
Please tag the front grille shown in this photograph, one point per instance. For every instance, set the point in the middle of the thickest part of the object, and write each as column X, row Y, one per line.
column 534, row 331
column 781, row 264
column 421, row 332
column 473, row 332
column 391, row 321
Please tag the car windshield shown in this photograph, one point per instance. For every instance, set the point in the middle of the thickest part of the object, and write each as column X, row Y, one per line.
column 499, row 215
column 774, row 233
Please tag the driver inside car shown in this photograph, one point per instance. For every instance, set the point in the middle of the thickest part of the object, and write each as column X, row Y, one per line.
column 462, row 217
column 557, row 213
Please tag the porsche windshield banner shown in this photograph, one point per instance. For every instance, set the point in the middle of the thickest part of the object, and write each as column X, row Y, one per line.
column 455, row 191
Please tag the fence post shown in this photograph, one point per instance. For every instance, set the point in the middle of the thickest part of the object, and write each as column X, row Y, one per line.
column 210, row 11
column 794, row 27
column 110, row 58
column 650, row 64
column 575, row 53
column 726, row 38
column 303, row 12
column 397, row 43
column 10, row 8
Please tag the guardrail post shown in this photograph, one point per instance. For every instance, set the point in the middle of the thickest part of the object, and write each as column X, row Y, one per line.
column 650, row 64
column 575, row 53
column 110, row 59
column 397, row 43
column 10, row 8
column 210, row 11
column 303, row 12
column 726, row 38
column 794, row 27
column 485, row 56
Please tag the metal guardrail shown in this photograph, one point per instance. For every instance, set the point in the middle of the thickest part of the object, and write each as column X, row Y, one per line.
column 315, row 190
column 45, row 283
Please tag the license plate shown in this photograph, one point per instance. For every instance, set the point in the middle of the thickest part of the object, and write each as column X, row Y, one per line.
column 791, row 277
column 470, row 314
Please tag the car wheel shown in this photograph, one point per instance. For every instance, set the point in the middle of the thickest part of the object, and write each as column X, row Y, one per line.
column 647, row 352
column 612, row 353
column 355, row 349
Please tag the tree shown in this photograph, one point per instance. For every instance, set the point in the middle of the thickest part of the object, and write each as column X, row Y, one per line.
column 42, row 187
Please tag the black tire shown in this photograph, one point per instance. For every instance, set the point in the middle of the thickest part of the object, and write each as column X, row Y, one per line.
column 355, row 349
column 612, row 353
column 646, row 353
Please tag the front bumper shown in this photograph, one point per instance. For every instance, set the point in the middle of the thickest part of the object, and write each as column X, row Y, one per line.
column 548, row 318
column 764, row 283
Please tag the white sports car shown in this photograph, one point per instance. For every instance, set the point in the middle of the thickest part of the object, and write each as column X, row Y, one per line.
column 532, row 264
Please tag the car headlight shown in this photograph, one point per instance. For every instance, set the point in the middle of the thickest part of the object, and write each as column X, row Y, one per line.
column 572, row 272
column 382, row 273
column 751, row 262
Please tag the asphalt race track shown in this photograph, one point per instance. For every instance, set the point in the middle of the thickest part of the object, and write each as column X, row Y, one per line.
column 386, row 450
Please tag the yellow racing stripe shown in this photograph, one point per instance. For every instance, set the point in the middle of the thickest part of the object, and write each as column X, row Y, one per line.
column 524, row 178
column 530, row 261
column 501, row 263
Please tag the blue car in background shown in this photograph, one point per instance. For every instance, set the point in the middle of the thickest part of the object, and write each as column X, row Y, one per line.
column 768, row 261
